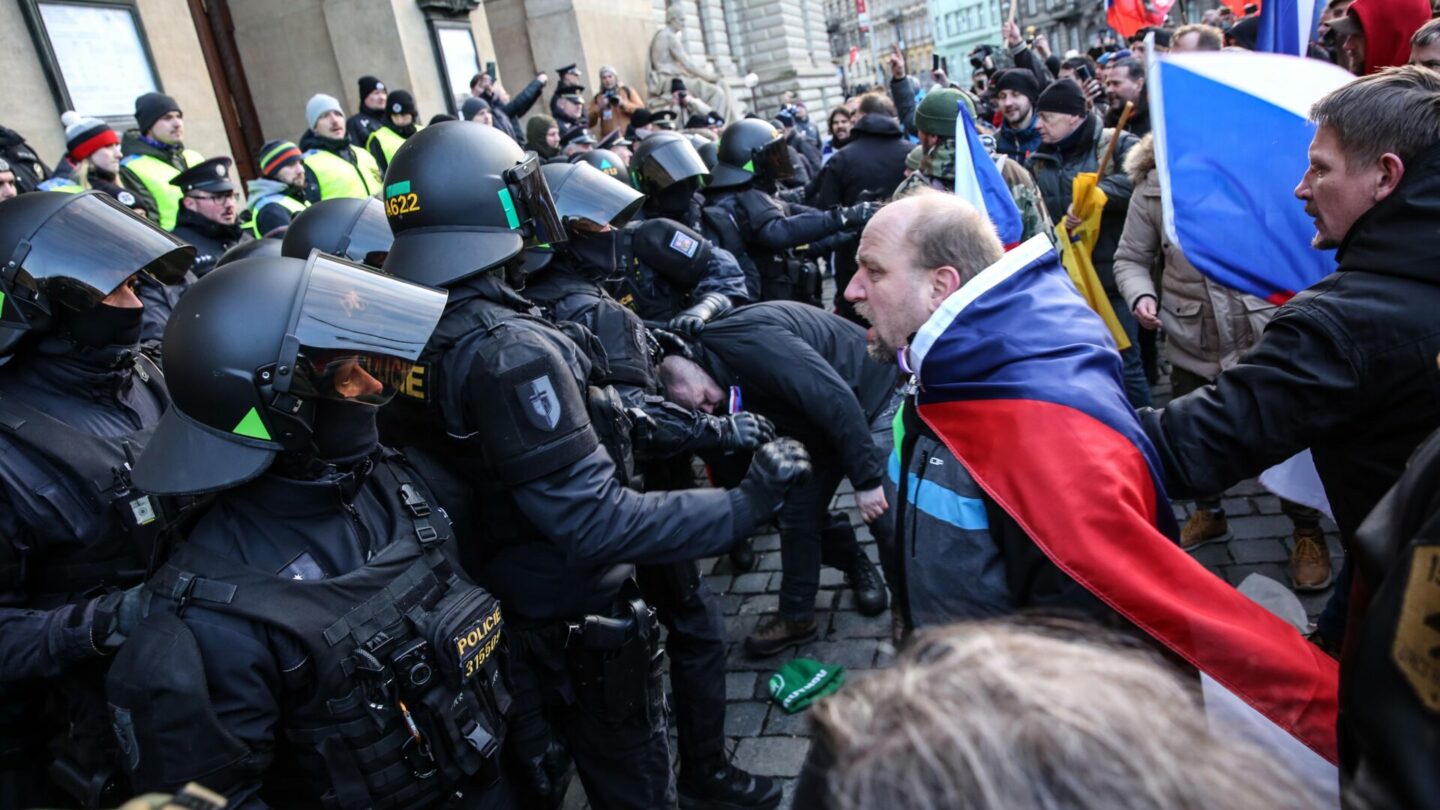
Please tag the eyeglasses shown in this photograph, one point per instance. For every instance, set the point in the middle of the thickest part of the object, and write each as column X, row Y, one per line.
column 228, row 196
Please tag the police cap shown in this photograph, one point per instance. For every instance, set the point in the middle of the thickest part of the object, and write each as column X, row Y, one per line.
column 211, row 176
column 577, row 134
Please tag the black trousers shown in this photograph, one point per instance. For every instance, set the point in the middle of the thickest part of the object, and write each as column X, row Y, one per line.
column 696, row 646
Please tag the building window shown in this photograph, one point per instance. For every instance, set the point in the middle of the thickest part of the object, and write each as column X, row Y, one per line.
column 459, row 61
column 95, row 55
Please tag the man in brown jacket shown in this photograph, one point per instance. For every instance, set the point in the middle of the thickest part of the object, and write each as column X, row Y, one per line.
column 614, row 104
column 1207, row 328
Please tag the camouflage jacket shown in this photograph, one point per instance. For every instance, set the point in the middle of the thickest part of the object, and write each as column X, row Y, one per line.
column 937, row 171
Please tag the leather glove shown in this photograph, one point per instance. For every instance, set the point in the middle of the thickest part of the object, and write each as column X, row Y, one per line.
column 668, row 343
column 855, row 216
column 543, row 758
column 776, row 467
column 691, row 321
column 745, row 431
column 114, row 617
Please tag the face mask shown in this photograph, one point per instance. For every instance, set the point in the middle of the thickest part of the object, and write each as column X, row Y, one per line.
column 675, row 198
column 344, row 431
column 102, row 326
column 595, row 252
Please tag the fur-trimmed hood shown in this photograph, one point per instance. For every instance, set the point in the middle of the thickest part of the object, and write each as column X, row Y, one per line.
column 1141, row 160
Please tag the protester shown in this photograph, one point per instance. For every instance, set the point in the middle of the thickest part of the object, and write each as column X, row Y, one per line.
column 1197, row 37
column 154, row 153
column 1016, row 94
column 1207, row 329
column 796, row 139
column 1345, row 368
column 1425, row 46
column 93, row 155
column 542, row 136
column 334, row 167
column 839, row 125
column 1376, row 34
column 1073, row 141
column 803, row 123
column 1125, row 81
column 477, row 110
column 614, row 104
column 400, row 122
column 1022, row 716
column 507, row 111
column 373, row 97
column 278, row 194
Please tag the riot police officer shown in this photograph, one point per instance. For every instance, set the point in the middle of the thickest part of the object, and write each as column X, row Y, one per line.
column 567, row 286
column 77, row 404
column 498, row 400
column 779, row 236
column 667, row 169
column 353, row 228
column 312, row 642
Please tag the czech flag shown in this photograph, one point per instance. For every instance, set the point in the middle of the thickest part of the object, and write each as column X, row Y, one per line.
column 1232, row 135
column 1287, row 26
column 1022, row 382
column 978, row 181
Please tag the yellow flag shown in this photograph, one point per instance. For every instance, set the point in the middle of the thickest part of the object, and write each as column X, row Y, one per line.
column 1089, row 202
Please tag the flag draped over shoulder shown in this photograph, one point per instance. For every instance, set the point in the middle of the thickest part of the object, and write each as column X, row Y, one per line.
column 1231, row 141
column 1019, row 380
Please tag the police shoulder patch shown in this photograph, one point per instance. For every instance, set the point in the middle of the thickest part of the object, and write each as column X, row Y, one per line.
column 539, row 403
column 126, row 198
column 684, row 244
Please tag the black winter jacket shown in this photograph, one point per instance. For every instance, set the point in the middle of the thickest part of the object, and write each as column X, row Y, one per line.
column 30, row 171
column 507, row 116
column 873, row 161
column 1346, row 368
column 807, row 371
column 211, row 239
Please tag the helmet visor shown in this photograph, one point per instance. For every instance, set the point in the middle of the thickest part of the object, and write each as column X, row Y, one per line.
column 66, row 262
column 772, row 161
column 527, row 202
column 670, row 164
column 356, row 332
column 584, row 192
column 370, row 236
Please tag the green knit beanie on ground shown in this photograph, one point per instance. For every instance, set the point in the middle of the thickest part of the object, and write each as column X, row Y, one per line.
column 802, row 682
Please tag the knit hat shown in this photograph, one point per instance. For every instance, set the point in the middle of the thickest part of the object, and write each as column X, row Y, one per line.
column 472, row 107
column 318, row 105
column 400, row 102
column 803, row 681
column 1064, row 96
column 276, row 155
column 607, row 69
column 84, row 136
column 151, row 107
column 936, row 113
column 440, row 118
column 1020, row 81
column 368, row 85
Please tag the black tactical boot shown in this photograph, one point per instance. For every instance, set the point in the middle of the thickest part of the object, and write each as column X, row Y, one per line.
column 870, row 594
column 718, row 785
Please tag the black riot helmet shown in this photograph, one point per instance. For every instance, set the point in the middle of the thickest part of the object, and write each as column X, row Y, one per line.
column 664, row 159
column 461, row 200
column 345, row 226
column 268, row 247
column 705, row 148
column 602, row 159
column 751, row 149
column 587, row 200
column 73, row 250
column 254, row 346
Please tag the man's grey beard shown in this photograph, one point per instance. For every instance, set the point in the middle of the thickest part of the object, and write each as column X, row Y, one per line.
column 878, row 349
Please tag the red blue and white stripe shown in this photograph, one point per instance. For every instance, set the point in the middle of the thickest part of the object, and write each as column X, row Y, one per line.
column 978, row 181
column 1022, row 382
column 1232, row 133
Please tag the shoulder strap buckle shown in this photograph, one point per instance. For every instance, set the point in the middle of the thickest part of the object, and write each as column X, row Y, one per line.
column 414, row 502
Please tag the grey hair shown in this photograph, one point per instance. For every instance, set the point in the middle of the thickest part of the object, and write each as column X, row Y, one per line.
column 1004, row 716
column 1427, row 35
column 947, row 231
column 1396, row 110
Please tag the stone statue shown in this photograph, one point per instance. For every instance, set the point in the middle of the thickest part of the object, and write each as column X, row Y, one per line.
column 669, row 60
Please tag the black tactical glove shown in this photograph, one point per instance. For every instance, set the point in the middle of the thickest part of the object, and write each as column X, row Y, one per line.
column 691, row 321
column 776, row 468
column 855, row 216
column 668, row 343
column 542, row 758
column 745, row 431
column 113, row 618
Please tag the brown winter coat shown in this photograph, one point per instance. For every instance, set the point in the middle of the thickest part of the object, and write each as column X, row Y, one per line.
column 1207, row 325
column 618, row 115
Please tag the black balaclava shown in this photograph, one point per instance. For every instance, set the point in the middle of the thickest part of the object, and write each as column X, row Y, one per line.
column 102, row 327
column 676, row 198
column 345, row 432
column 595, row 254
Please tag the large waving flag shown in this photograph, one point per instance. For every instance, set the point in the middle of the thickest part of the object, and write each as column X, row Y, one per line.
column 1287, row 26
column 1129, row 16
column 1231, row 141
column 1022, row 383
column 978, row 181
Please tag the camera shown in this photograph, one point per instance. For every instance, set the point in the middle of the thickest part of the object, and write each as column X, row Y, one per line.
column 412, row 663
column 612, row 96
column 980, row 56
